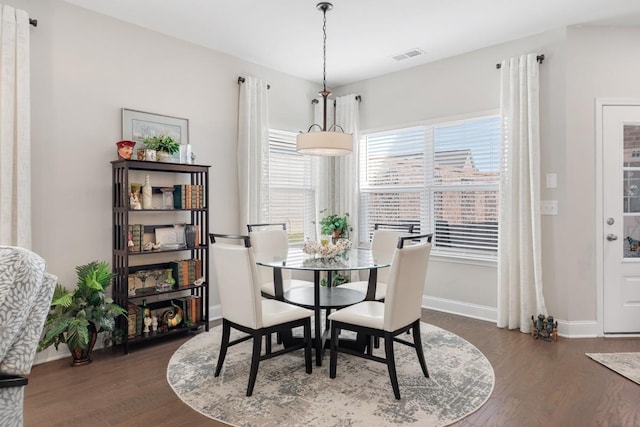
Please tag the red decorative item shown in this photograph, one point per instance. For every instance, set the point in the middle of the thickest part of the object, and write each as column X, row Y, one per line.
column 125, row 149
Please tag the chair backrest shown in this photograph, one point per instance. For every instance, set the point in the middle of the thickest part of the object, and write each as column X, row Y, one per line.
column 270, row 243
column 408, row 227
column 25, row 298
column 383, row 246
column 407, row 277
column 236, row 274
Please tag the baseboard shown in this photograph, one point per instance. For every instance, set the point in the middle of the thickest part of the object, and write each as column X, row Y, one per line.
column 566, row 329
column 475, row 311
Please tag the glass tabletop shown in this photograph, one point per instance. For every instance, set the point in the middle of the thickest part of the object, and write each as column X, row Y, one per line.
column 352, row 259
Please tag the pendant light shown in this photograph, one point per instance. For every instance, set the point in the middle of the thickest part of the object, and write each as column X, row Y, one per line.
column 327, row 142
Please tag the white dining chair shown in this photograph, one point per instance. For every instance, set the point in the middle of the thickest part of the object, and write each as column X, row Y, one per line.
column 245, row 310
column 383, row 245
column 271, row 242
column 400, row 312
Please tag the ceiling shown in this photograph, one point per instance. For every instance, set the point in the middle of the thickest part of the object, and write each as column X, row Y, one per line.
column 362, row 35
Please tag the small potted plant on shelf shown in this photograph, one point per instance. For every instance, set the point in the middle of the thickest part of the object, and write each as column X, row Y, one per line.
column 76, row 317
column 164, row 145
column 335, row 225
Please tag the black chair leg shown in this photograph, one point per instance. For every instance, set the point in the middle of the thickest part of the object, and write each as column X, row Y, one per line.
column 391, row 363
column 226, row 331
column 417, row 341
column 333, row 360
column 307, row 347
column 267, row 343
column 255, row 361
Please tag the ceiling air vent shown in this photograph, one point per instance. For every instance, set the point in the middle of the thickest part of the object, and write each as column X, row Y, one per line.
column 408, row 54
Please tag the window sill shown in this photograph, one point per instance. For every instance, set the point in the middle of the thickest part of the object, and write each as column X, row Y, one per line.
column 469, row 259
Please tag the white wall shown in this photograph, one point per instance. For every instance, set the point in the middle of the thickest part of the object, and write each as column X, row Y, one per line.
column 85, row 67
column 601, row 62
column 459, row 87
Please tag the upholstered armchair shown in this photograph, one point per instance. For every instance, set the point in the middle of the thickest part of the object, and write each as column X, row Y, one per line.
column 25, row 297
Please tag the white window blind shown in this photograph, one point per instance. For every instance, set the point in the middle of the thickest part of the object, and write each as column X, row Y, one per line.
column 291, row 196
column 443, row 177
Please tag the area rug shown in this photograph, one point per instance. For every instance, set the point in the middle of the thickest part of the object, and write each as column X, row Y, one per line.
column 461, row 380
column 625, row 364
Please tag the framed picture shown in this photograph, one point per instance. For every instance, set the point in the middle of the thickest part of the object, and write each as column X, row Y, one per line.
column 138, row 125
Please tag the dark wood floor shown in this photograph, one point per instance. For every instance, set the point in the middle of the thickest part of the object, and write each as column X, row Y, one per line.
column 537, row 384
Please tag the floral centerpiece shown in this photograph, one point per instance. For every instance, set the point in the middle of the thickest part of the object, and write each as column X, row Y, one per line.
column 326, row 249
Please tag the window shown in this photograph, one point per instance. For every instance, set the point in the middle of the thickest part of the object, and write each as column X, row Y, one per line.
column 291, row 196
column 444, row 177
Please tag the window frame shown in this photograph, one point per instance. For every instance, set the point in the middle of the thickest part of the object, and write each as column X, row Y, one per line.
column 427, row 218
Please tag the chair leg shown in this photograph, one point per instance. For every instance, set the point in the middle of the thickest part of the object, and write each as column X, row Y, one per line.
column 255, row 361
column 391, row 363
column 333, row 360
column 376, row 342
column 267, row 343
column 307, row 347
column 226, row 331
column 417, row 341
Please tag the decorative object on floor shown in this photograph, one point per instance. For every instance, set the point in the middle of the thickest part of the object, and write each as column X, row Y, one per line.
column 125, row 149
column 625, row 364
column 462, row 380
column 332, row 141
column 544, row 327
column 328, row 250
column 77, row 316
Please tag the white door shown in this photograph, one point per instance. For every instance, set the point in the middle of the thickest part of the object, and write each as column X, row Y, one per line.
column 621, row 199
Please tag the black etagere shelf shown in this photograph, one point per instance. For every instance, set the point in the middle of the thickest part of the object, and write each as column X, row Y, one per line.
column 122, row 256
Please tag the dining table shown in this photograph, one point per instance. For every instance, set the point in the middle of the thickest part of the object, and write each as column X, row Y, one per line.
column 325, row 297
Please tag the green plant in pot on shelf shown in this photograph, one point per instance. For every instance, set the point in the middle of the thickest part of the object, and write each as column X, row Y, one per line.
column 76, row 317
column 335, row 225
column 165, row 146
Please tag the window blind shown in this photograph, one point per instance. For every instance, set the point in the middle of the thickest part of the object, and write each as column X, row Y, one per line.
column 291, row 196
column 443, row 177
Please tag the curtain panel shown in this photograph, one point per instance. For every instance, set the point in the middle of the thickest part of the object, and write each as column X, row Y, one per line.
column 519, row 249
column 346, row 167
column 253, row 152
column 15, row 129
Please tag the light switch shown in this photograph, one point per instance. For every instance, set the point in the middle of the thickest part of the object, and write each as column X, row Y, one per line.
column 548, row 207
column 552, row 180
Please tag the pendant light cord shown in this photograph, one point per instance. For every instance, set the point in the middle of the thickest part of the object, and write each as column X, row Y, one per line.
column 324, row 50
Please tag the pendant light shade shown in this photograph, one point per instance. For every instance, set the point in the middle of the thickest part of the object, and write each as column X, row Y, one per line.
column 327, row 142
column 324, row 143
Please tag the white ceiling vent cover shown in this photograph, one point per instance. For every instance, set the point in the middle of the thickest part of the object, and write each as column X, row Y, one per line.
column 408, row 54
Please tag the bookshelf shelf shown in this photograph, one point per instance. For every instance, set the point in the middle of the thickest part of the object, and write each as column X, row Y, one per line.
column 184, row 264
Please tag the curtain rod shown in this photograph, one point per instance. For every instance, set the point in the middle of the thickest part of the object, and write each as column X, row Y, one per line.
column 315, row 100
column 33, row 22
column 539, row 58
column 241, row 80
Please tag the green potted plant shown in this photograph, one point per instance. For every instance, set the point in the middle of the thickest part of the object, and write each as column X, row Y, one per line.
column 164, row 145
column 335, row 225
column 77, row 316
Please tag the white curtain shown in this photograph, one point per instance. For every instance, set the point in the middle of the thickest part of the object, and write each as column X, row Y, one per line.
column 345, row 189
column 253, row 152
column 519, row 266
column 15, row 129
column 322, row 170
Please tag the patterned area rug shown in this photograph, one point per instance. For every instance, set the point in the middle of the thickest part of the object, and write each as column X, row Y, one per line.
column 461, row 380
column 626, row 364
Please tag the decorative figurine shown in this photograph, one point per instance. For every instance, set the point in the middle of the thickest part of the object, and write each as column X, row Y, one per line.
column 543, row 327
column 147, row 323
column 154, row 323
column 125, row 149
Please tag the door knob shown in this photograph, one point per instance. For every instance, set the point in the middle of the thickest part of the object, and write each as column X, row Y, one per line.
column 611, row 237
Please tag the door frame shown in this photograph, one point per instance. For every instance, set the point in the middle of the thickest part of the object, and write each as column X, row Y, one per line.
column 599, row 237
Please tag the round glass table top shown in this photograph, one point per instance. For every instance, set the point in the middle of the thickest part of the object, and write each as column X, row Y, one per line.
column 352, row 259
